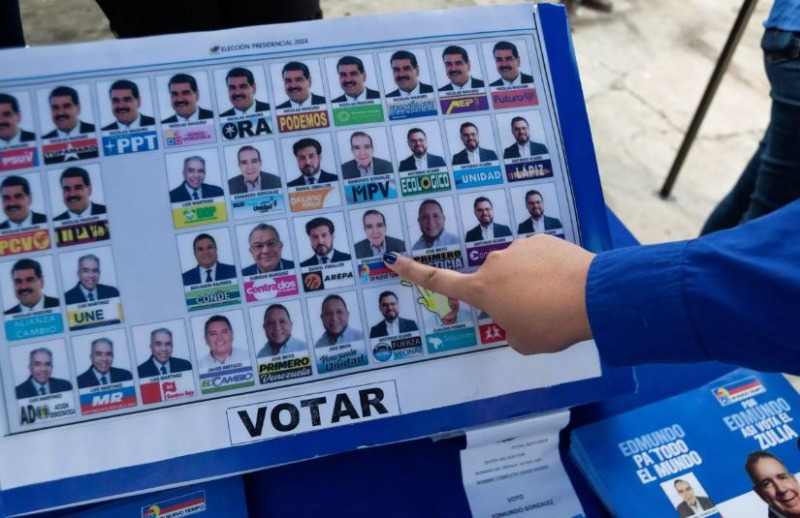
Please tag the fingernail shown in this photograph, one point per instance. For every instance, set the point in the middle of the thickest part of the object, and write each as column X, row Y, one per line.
column 390, row 257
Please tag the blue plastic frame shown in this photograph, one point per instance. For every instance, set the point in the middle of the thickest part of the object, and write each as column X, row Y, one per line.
column 574, row 126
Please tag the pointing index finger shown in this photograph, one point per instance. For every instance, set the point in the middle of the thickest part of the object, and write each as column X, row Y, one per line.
column 447, row 282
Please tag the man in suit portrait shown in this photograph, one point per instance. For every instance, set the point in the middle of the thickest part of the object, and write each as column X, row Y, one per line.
column 28, row 281
column 691, row 504
column 125, row 104
column 472, row 152
column 363, row 163
column 89, row 288
column 405, row 72
column 308, row 153
column 538, row 222
column 10, row 117
column 431, row 220
column 102, row 371
column 377, row 242
column 420, row 159
column 41, row 382
column 76, row 192
column 392, row 324
column 297, row 85
column 193, row 186
column 241, row 91
column 252, row 179
column 321, row 235
column 208, row 269
column 506, row 59
column 184, row 95
column 486, row 228
column 17, row 199
column 457, row 67
column 774, row 484
column 266, row 249
column 278, row 330
column 161, row 361
column 219, row 339
column 65, row 110
column 336, row 322
column 524, row 146
column 352, row 79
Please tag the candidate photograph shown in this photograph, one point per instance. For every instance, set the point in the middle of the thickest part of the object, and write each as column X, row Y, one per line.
column 377, row 242
column 364, row 162
column 76, row 192
column 432, row 223
column 161, row 360
column 458, row 70
column 692, row 504
column 406, row 75
column 321, row 234
column 184, row 98
column 102, row 370
column 392, row 324
column 252, row 178
column 278, row 325
column 337, row 328
column 266, row 249
column 65, row 112
column 487, row 228
column 126, row 102
column 89, row 288
column 27, row 282
column 242, row 89
column 308, row 153
column 11, row 133
column 523, row 146
column 297, row 84
column 194, row 186
column 208, row 268
column 472, row 152
column 439, row 310
column 352, row 78
column 538, row 220
column 775, row 484
column 17, row 201
column 420, row 159
column 219, row 337
column 507, row 62
column 41, row 381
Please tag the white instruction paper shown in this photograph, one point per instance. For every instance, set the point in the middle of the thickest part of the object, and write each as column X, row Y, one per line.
column 514, row 469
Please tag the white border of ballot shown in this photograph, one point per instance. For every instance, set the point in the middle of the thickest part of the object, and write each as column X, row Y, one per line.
column 145, row 234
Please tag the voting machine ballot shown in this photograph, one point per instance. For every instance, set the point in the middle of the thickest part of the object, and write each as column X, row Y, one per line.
column 190, row 247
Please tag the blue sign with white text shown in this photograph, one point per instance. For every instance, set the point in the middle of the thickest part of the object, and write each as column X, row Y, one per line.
column 130, row 143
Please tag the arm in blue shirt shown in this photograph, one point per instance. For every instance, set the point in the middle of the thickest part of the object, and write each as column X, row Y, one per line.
column 731, row 296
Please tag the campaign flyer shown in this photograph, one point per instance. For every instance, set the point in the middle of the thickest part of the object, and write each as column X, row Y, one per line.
column 728, row 448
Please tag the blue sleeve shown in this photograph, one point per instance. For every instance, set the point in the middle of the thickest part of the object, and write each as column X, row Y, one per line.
column 731, row 296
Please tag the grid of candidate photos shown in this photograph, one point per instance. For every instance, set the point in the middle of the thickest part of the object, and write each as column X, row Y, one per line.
column 287, row 181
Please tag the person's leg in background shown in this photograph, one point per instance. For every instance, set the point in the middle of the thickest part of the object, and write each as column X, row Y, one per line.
column 605, row 6
column 772, row 177
column 259, row 12
column 728, row 213
column 131, row 18
column 10, row 24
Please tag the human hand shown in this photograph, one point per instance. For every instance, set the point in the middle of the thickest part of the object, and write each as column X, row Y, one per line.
column 535, row 290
